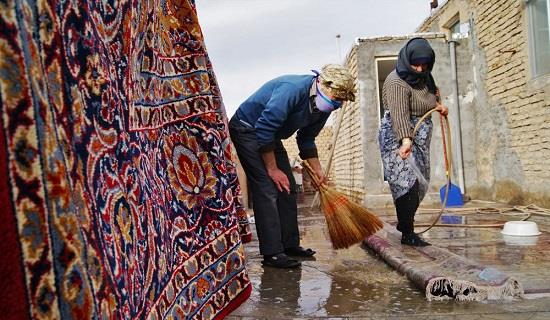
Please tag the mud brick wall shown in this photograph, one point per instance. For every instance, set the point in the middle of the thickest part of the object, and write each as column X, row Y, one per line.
column 348, row 163
column 323, row 142
column 512, row 118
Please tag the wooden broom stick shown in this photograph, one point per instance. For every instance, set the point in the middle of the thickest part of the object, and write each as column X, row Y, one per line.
column 315, row 201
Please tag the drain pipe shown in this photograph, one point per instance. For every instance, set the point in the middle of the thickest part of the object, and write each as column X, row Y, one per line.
column 455, row 113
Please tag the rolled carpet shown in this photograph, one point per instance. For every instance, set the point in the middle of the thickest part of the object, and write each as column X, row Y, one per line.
column 442, row 274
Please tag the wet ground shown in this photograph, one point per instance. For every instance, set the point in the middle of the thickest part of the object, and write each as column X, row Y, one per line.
column 354, row 283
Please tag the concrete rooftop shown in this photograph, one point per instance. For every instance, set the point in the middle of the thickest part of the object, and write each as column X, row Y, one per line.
column 354, row 283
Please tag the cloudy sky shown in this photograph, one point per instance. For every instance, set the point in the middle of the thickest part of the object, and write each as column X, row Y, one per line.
column 253, row 41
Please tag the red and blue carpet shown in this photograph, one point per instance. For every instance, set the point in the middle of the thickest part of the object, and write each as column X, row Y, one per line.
column 118, row 196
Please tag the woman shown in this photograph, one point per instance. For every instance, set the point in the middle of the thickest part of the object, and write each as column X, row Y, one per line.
column 408, row 93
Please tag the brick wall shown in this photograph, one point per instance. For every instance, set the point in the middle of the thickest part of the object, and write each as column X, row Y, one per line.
column 445, row 16
column 323, row 142
column 348, row 160
column 501, row 28
column 513, row 120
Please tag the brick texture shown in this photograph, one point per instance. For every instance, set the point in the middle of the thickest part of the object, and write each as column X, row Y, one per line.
column 501, row 30
column 502, row 34
column 323, row 142
column 348, row 160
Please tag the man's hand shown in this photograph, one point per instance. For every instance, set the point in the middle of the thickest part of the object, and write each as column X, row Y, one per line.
column 442, row 109
column 316, row 166
column 406, row 148
column 280, row 179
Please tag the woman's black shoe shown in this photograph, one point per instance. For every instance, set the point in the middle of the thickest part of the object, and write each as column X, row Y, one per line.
column 414, row 240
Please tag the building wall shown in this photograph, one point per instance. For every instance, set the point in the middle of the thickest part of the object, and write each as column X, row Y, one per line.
column 323, row 142
column 445, row 16
column 242, row 179
column 349, row 152
column 512, row 116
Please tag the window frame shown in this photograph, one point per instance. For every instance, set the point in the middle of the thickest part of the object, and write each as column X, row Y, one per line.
column 455, row 19
column 531, row 42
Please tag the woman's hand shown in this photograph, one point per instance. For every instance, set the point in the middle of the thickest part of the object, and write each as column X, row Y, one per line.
column 442, row 109
column 406, row 148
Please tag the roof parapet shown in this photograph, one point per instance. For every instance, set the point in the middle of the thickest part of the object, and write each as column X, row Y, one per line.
column 425, row 35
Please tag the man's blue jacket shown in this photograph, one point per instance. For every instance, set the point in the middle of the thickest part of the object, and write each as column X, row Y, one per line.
column 281, row 107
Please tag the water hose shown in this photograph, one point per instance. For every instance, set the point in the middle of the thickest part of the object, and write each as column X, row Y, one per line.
column 448, row 160
column 528, row 210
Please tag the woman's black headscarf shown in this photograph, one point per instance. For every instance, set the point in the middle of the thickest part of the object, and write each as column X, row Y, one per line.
column 417, row 50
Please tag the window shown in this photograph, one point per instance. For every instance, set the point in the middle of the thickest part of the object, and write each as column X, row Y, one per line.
column 539, row 36
column 455, row 30
column 384, row 66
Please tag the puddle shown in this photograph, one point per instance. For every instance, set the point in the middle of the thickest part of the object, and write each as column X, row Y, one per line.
column 453, row 219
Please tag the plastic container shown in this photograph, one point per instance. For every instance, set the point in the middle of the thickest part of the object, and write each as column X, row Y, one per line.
column 520, row 229
column 520, row 241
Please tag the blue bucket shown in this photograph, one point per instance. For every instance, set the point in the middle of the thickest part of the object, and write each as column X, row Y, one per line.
column 455, row 196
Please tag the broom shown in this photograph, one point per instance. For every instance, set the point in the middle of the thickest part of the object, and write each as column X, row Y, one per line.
column 348, row 222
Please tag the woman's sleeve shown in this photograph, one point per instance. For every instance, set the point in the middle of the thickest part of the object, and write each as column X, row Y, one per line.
column 398, row 99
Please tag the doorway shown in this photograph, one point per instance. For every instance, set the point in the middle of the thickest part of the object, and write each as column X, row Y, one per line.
column 383, row 66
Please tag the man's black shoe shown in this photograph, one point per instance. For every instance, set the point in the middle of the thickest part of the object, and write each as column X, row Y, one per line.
column 280, row 260
column 299, row 252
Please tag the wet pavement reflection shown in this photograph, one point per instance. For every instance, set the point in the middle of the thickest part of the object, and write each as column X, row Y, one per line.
column 355, row 283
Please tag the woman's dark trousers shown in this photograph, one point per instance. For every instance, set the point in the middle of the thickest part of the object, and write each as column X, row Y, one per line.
column 406, row 207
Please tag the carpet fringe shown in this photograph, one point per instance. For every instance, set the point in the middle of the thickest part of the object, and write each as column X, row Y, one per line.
column 443, row 288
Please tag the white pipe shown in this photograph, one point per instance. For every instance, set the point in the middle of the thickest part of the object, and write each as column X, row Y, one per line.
column 455, row 118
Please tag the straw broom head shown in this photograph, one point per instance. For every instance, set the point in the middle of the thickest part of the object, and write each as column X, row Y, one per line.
column 348, row 223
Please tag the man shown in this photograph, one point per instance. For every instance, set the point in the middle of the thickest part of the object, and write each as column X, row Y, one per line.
column 281, row 107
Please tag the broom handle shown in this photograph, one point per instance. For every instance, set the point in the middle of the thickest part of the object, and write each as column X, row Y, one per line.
column 447, row 162
column 334, row 139
column 332, row 148
column 313, row 175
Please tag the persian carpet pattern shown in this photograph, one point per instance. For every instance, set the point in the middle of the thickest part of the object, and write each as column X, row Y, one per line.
column 119, row 197
column 442, row 274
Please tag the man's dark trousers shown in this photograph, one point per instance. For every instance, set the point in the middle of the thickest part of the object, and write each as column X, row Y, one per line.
column 275, row 213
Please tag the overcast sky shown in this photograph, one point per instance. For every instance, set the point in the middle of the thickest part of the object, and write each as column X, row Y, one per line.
column 253, row 41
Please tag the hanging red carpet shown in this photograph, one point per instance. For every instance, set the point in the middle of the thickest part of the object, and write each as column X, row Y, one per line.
column 118, row 196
